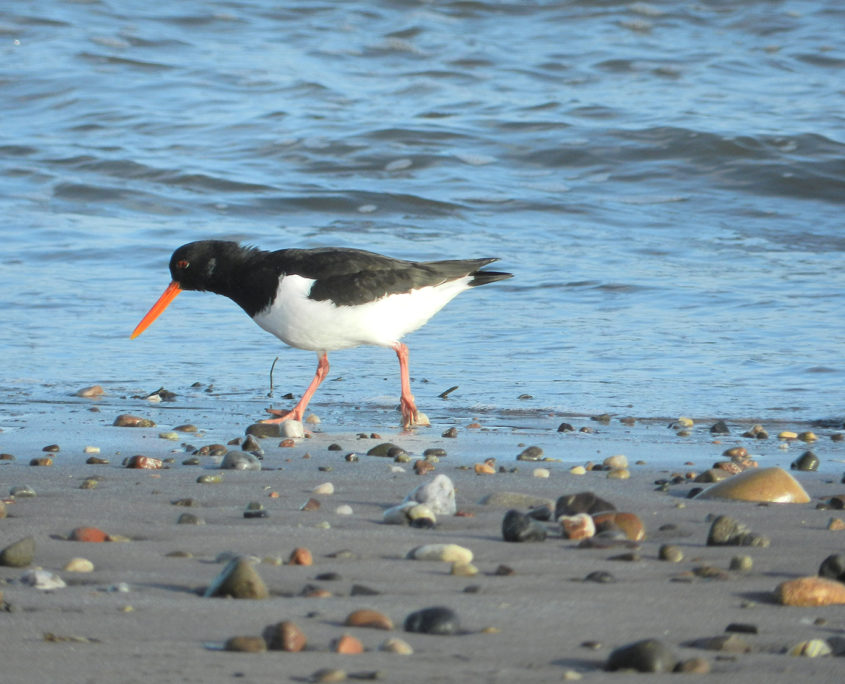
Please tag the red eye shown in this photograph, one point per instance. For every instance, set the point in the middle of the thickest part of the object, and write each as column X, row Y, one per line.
column 182, row 264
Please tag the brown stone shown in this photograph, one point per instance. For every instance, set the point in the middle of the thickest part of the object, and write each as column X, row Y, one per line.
column 90, row 392
column 348, row 645
column 88, row 534
column 285, row 636
column 774, row 485
column 368, row 618
column 629, row 523
column 580, row 526
column 128, row 420
column 809, row 592
column 422, row 467
column 301, row 556
column 144, row 463
column 836, row 524
column 484, row 469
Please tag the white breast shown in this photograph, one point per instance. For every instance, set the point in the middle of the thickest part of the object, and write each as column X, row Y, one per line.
column 324, row 326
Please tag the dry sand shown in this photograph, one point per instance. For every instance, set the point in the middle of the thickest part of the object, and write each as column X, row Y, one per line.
column 530, row 626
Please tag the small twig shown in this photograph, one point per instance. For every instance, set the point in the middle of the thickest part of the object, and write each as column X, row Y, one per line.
column 270, row 393
column 447, row 392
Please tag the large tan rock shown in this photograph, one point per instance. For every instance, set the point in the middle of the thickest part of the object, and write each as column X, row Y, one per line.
column 774, row 485
column 809, row 592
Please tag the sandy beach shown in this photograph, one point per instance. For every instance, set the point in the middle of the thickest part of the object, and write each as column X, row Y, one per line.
column 140, row 616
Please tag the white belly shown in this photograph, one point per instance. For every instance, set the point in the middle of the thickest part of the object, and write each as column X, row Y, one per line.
column 323, row 326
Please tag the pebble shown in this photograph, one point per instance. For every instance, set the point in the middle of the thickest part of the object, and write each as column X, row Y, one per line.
column 619, row 474
column 811, row 649
column 600, row 577
column 216, row 478
column 697, row 665
column 836, row 524
column 764, row 484
column 329, row 675
column 542, row 473
column 807, row 461
column 617, row 461
column 348, row 645
column 285, row 636
column 787, row 434
column 45, row 580
column 368, row 618
column 582, row 502
column 579, row 526
column 79, row 565
column 326, row 488
column 90, row 483
column 128, row 420
column 293, row 429
column 463, row 570
column 578, row 470
column 18, row 554
column 396, row 645
column 265, row 430
column 410, row 513
column 245, row 644
column 422, row 467
column 41, row 461
column 384, row 450
column 727, row 643
column 519, row 527
column 311, row 505
column 809, row 592
column 144, row 463
column 255, row 509
column 833, row 567
column 301, row 556
column 22, row 492
column 238, row 579
column 532, row 453
column 171, row 436
column 726, row 531
column 240, row 460
column 343, row 509
column 448, row 553
column 96, row 460
column 436, row 620
column 88, row 534
column 484, row 469
column 648, row 655
column 438, row 494
column 741, row 563
column 720, row 427
column 670, row 553
column 90, row 392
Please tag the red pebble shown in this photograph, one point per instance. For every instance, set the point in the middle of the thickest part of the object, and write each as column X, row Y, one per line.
column 88, row 534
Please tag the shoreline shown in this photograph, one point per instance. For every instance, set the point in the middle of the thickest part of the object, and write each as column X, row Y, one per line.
column 531, row 626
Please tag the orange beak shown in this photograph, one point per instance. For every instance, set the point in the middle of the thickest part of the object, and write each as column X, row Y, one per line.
column 163, row 302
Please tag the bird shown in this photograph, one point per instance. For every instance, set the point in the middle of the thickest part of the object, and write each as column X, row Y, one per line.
column 325, row 299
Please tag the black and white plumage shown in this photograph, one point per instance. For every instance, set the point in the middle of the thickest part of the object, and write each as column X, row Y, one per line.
column 325, row 299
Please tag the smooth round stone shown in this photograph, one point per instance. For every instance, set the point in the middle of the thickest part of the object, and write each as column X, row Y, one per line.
column 343, row 509
column 600, row 577
column 806, row 461
column 833, row 567
column 437, row 620
column 240, row 460
column 670, row 553
column 578, row 470
column 542, row 473
column 79, row 565
column 463, row 570
column 449, row 553
column 293, row 429
column 255, row 509
column 285, row 636
column 329, row 675
column 326, row 488
column 629, row 523
column 439, row 495
column 397, row 646
column 726, row 531
column 614, row 462
column 19, row 554
column 619, row 474
column 809, row 592
column 238, row 579
column 649, row 655
column 741, row 563
column 368, row 618
column 773, row 485
column 518, row 527
column 265, row 430
column 128, row 420
column 245, row 644
column 577, row 527
column 532, row 453
column 582, row 502
column 813, row 648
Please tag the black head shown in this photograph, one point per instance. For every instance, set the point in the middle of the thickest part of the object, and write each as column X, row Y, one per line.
column 201, row 265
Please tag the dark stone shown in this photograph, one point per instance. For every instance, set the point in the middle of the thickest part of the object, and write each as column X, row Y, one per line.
column 727, row 643
column 518, row 527
column 565, row 427
column 263, row 430
column 725, row 531
column 649, row 655
column 250, row 444
column 603, row 418
column 18, row 554
column 582, row 502
column 504, row 571
column 601, row 577
column 363, row 590
column 532, row 453
column 720, row 427
column 190, row 519
column 434, row 451
column 382, row 449
column 328, row 577
column 334, row 446
column 694, row 492
column 436, row 620
column 833, row 567
column 806, row 461
column 742, row 628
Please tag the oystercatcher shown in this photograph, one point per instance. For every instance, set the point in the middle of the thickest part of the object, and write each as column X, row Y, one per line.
column 325, row 299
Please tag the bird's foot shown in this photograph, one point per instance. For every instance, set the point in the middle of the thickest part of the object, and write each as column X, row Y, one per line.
column 411, row 417
column 281, row 416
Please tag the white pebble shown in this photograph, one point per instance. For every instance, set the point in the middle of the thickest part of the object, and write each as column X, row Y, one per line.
column 79, row 565
column 345, row 509
column 449, row 553
column 91, row 450
column 42, row 579
column 541, row 472
column 293, row 429
column 325, row 488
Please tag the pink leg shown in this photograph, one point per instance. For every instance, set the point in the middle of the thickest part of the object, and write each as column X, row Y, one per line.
column 298, row 411
column 410, row 415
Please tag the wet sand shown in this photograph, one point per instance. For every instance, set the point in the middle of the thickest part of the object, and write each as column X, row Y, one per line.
column 530, row 626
